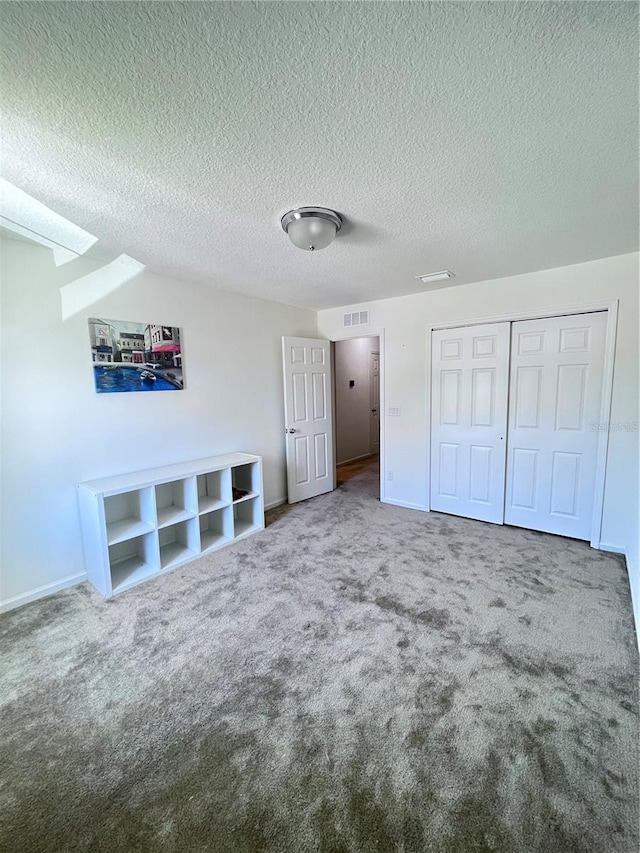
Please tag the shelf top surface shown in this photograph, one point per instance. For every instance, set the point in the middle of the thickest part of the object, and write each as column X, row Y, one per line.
column 166, row 473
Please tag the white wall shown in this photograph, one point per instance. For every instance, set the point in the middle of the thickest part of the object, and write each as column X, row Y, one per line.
column 57, row 432
column 352, row 359
column 405, row 321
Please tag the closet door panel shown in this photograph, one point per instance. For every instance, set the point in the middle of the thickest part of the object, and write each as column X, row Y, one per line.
column 470, row 368
column 555, row 395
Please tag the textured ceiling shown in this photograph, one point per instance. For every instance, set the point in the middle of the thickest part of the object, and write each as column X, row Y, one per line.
column 486, row 138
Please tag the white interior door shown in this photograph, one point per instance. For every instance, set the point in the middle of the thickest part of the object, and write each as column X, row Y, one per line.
column 308, row 417
column 470, row 377
column 374, row 397
column 556, row 387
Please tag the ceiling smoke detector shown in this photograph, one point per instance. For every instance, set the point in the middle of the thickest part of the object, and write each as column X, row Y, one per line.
column 311, row 228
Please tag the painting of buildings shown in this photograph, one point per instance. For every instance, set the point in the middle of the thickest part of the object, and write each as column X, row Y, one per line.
column 130, row 356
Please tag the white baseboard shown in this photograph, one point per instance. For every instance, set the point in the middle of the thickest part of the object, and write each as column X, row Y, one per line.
column 355, row 459
column 635, row 605
column 612, row 549
column 404, row 504
column 632, row 572
column 41, row 592
column 274, row 504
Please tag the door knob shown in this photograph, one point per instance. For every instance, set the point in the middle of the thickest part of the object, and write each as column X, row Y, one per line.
column 291, row 430
column 374, row 411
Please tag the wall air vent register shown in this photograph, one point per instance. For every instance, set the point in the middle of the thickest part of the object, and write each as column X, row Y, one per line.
column 358, row 318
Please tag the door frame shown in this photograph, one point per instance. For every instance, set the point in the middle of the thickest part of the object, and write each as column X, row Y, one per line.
column 370, row 333
column 371, row 373
column 605, row 403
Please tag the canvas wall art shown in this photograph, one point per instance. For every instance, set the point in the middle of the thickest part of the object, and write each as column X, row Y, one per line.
column 131, row 356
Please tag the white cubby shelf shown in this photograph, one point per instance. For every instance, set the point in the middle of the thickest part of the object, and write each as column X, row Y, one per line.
column 137, row 526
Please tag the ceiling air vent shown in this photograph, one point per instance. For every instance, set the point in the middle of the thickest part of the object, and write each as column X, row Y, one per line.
column 358, row 318
column 443, row 275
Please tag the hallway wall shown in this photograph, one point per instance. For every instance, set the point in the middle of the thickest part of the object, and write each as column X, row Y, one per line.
column 352, row 359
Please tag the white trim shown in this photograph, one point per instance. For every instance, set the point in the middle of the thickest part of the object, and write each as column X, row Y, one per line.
column 612, row 549
column 404, row 504
column 514, row 316
column 427, row 432
column 41, row 592
column 635, row 610
column 605, row 414
column 274, row 504
column 607, row 389
column 373, row 333
column 631, row 570
column 355, row 459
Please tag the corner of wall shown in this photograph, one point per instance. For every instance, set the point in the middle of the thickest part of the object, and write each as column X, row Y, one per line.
column 632, row 557
column 41, row 592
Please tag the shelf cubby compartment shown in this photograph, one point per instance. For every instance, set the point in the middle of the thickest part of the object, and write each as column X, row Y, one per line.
column 246, row 478
column 176, row 501
column 179, row 543
column 138, row 525
column 133, row 560
column 216, row 528
column 247, row 516
column 214, row 490
column 129, row 514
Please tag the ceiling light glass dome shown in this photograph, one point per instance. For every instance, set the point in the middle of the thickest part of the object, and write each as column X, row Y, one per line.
column 311, row 228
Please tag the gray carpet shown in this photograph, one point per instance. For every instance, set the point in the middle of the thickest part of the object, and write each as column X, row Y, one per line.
column 356, row 678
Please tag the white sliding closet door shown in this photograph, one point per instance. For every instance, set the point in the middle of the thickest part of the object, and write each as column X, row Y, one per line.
column 470, row 376
column 555, row 396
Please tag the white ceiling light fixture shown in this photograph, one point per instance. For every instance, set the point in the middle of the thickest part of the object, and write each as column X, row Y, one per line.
column 436, row 276
column 311, row 228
